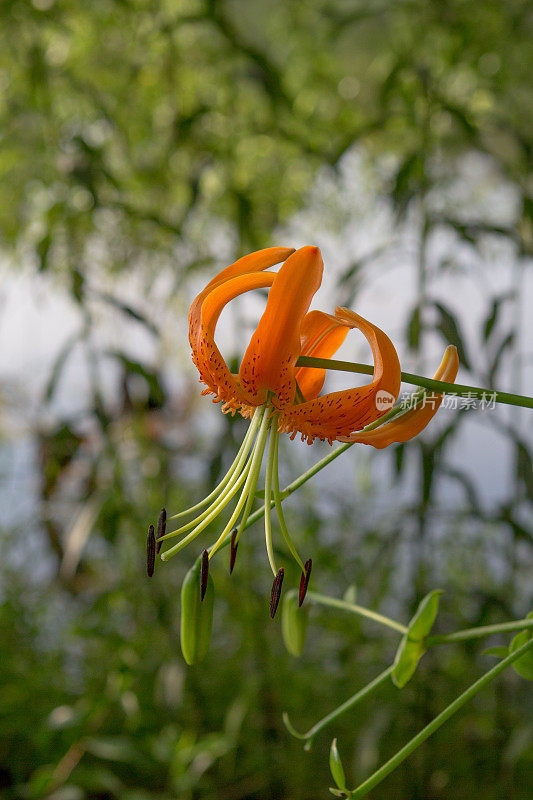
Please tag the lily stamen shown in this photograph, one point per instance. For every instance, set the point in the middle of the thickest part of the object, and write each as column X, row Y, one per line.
column 244, row 449
column 279, row 507
column 248, row 493
column 210, row 514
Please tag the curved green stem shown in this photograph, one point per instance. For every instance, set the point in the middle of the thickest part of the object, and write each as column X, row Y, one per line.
column 419, row 380
column 435, row 724
column 360, row 695
column 324, row 600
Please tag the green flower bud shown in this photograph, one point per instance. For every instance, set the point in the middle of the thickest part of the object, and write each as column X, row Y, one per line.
column 196, row 615
column 293, row 623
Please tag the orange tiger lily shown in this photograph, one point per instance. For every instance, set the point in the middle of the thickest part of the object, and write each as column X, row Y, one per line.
column 287, row 331
column 281, row 397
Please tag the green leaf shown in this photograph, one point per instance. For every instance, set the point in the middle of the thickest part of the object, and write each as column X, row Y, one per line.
column 399, row 460
column 413, row 329
column 502, row 347
column 492, row 316
column 524, row 468
column 408, row 181
column 350, row 595
column 424, row 617
column 448, row 326
column 335, row 765
column 524, row 665
column 408, row 655
column 412, row 646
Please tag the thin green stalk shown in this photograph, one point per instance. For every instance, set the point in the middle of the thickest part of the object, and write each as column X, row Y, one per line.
column 352, row 701
column 254, row 472
column 244, row 449
column 476, row 633
column 324, row 600
column 279, row 507
column 247, row 495
column 246, row 476
column 215, row 508
column 414, row 401
column 439, row 720
column 268, row 505
column 207, row 517
column 428, row 383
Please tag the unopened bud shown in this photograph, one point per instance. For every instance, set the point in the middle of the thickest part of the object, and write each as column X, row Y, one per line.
column 196, row 616
column 293, row 623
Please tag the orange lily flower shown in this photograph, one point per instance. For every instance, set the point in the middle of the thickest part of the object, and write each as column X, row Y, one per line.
column 281, row 397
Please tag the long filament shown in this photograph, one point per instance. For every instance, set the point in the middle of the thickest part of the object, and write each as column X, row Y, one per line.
column 268, row 494
column 248, row 492
column 216, row 508
column 233, row 468
column 277, row 501
column 227, row 493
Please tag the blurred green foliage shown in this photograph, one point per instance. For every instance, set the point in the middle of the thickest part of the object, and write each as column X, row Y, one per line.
column 132, row 133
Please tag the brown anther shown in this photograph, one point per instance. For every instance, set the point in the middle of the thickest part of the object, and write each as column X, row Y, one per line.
column 150, row 551
column 161, row 529
column 233, row 550
column 304, row 581
column 204, row 574
column 276, row 592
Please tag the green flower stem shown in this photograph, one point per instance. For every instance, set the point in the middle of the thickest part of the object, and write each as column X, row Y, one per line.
column 435, row 724
column 352, row 701
column 428, row 383
column 324, row 600
column 476, row 633
column 415, row 401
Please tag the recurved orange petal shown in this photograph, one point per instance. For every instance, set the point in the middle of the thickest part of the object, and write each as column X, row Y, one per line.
column 268, row 364
column 205, row 354
column 253, row 262
column 321, row 336
column 214, row 371
column 412, row 422
column 338, row 414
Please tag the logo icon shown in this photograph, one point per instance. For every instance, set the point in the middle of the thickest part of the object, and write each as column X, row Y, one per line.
column 384, row 400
